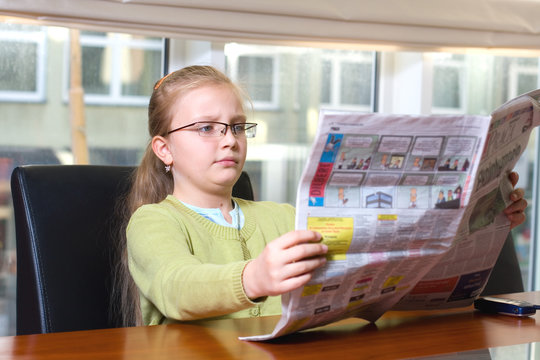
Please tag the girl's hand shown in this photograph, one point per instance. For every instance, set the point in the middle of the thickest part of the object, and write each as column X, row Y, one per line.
column 285, row 264
column 516, row 210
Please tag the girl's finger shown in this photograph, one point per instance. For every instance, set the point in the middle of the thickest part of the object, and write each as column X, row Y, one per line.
column 302, row 267
column 296, row 237
column 517, row 194
column 516, row 219
column 304, row 251
column 514, row 178
column 517, row 206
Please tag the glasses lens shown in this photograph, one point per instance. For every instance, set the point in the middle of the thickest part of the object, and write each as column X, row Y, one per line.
column 250, row 130
column 209, row 129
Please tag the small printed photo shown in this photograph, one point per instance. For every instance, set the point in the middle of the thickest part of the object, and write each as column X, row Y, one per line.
column 428, row 164
column 381, row 162
column 415, row 163
column 415, row 197
column 351, row 160
column 486, row 209
column 396, row 162
column 342, row 196
column 355, row 163
column 379, row 199
column 331, row 148
column 445, row 164
column 447, row 197
column 465, row 165
column 454, row 164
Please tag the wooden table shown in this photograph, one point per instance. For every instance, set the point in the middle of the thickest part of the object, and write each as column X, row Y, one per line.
column 395, row 335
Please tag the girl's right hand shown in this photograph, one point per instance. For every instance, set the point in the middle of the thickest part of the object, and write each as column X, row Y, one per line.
column 285, row 264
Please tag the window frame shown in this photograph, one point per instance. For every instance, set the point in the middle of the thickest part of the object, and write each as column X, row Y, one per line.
column 39, row 37
column 117, row 42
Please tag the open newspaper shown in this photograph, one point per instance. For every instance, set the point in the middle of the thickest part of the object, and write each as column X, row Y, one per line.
column 410, row 208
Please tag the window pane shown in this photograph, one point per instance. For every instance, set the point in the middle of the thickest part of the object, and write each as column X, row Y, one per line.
column 446, row 87
column 355, row 83
column 256, row 73
column 142, row 68
column 22, row 55
column 20, row 58
column 527, row 82
column 326, row 82
column 95, row 79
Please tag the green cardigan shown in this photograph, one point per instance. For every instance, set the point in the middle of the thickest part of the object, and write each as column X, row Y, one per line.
column 186, row 267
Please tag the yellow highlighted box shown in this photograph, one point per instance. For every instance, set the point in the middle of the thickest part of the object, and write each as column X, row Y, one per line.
column 392, row 281
column 337, row 234
column 387, row 217
column 311, row 289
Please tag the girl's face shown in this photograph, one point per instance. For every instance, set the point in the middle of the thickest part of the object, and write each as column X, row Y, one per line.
column 206, row 165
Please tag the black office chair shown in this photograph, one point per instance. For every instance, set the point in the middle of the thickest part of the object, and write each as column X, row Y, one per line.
column 506, row 276
column 66, row 229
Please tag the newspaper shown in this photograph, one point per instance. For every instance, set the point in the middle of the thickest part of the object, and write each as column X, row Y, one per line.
column 410, row 208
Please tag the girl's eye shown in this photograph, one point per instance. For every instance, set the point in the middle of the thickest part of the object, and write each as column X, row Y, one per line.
column 206, row 128
column 238, row 128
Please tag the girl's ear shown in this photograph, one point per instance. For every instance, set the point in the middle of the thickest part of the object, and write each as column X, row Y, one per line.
column 161, row 149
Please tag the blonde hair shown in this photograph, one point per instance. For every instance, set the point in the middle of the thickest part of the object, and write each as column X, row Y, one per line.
column 151, row 183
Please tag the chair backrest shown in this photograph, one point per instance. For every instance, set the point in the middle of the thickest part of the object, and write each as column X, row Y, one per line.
column 506, row 274
column 66, row 229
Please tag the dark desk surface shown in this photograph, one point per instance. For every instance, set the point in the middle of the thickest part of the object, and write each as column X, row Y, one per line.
column 395, row 335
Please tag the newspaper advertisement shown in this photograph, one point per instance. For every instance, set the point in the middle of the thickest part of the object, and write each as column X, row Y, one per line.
column 410, row 208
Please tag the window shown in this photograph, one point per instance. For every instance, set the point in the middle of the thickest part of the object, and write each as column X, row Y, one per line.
column 346, row 80
column 448, row 79
column 257, row 72
column 523, row 76
column 22, row 49
column 119, row 69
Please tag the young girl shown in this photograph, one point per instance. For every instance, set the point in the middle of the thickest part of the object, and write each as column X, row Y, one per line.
column 194, row 251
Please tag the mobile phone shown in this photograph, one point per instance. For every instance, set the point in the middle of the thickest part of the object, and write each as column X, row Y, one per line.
column 503, row 306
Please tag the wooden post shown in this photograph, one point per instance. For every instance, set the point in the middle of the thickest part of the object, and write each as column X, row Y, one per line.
column 76, row 102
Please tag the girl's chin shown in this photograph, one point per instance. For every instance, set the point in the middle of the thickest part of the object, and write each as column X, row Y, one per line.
column 229, row 176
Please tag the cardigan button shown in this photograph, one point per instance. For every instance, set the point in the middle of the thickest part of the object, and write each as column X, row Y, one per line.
column 255, row 311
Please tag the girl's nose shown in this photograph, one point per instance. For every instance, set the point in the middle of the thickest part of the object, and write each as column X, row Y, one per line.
column 229, row 136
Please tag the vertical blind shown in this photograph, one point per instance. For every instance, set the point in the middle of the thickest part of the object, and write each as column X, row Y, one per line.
column 423, row 24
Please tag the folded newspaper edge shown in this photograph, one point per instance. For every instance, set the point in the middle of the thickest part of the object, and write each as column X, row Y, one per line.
column 410, row 208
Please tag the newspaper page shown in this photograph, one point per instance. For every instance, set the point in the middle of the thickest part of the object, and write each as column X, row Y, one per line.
column 410, row 208
column 461, row 274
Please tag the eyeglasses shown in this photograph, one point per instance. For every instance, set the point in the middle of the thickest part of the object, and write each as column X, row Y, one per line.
column 214, row 128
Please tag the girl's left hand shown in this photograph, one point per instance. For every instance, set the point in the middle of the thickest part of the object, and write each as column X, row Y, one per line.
column 516, row 210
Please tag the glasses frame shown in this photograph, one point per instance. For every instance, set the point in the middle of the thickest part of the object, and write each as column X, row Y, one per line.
column 247, row 126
